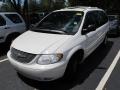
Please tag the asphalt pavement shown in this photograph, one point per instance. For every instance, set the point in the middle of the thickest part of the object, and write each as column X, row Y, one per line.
column 90, row 74
column 114, row 81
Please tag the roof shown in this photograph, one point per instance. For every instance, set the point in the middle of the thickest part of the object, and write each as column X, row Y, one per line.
column 79, row 8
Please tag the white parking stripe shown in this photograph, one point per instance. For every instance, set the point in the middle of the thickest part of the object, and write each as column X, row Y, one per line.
column 3, row 60
column 108, row 73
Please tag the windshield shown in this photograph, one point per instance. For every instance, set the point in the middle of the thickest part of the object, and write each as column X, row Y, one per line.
column 64, row 22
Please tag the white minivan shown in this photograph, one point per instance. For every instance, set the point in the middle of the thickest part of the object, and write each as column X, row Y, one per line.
column 59, row 43
column 11, row 25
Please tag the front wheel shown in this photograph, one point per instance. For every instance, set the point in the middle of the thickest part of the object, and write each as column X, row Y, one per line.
column 73, row 67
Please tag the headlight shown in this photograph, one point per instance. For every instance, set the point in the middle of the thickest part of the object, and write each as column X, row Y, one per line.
column 49, row 59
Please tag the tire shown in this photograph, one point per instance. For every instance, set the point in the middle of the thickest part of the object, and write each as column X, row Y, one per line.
column 118, row 33
column 73, row 67
column 104, row 43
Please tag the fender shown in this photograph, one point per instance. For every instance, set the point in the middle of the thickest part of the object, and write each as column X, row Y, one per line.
column 73, row 51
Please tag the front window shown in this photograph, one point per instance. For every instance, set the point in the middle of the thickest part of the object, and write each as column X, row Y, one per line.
column 61, row 22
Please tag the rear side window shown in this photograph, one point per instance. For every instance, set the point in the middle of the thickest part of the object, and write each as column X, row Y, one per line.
column 2, row 21
column 14, row 18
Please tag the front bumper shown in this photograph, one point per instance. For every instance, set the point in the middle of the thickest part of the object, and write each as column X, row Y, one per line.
column 39, row 72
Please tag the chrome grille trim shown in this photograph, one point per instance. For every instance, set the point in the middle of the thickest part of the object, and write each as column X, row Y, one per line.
column 21, row 56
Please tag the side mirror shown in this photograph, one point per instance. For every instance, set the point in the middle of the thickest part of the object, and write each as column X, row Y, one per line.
column 89, row 29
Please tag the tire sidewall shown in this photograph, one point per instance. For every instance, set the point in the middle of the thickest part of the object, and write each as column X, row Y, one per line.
column 73, row 67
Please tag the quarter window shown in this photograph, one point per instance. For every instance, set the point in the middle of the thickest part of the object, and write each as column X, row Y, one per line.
column 2, row 21
column 14, row 18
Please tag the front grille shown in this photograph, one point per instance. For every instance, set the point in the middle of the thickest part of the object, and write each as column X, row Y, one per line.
column 21, row 56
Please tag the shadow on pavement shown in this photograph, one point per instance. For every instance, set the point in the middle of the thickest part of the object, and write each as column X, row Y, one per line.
column 4, row 49
column 86, row 68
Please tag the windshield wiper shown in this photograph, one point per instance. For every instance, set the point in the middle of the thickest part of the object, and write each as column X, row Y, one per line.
column 59, row 31
column 48, row 31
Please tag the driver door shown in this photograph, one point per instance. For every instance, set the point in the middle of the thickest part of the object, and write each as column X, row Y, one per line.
column 90, row 34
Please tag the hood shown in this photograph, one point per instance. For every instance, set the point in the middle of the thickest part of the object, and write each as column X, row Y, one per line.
column 37, row 43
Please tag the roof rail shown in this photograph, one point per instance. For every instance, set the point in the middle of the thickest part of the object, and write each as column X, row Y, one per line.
column 84, row 7
column 92, row 7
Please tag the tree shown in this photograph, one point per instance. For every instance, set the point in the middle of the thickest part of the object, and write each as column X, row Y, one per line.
column 33, row 6
column 73, row 2
column 16, row 4
column 108, row 5
column 6, row 7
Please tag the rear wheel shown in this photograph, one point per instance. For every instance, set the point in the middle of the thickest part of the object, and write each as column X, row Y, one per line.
column 118, row 32
column 104, row 43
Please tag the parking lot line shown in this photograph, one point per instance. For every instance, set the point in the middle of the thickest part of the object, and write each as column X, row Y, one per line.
column 3, row 60
column 108, row 73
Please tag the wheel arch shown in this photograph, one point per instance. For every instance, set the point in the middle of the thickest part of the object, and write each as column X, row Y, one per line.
column 70, row 56
column 75, row 51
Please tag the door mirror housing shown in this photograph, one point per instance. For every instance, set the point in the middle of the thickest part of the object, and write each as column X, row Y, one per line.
column 88, row 29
